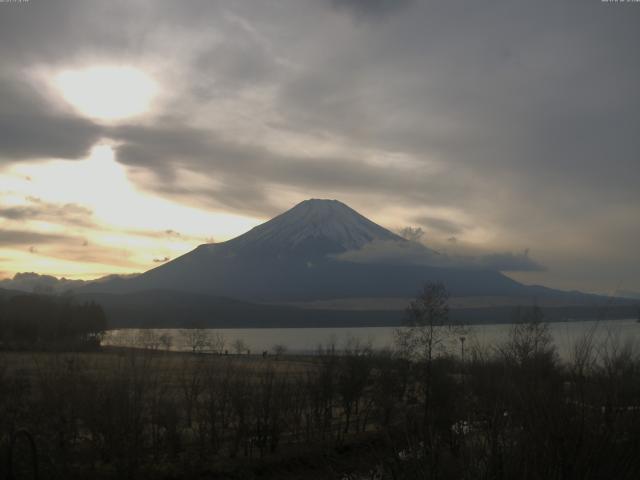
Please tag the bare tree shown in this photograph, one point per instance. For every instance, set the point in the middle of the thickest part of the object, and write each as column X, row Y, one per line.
column 279, row 350
column 148, row 339
column 239, row 346
column 426, row 329
column 217, row 343
column 529, row 338
column 195, row 338
column 191, row 380
column 426, row 324
column 353, row 375
column 166, row 340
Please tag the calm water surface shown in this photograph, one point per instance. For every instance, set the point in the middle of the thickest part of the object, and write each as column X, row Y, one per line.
column 307, row 340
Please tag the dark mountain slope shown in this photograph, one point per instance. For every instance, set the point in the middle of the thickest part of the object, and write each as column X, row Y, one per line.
column 293, row 257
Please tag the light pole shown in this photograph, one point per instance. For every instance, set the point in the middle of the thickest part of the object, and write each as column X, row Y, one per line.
column 462, row 339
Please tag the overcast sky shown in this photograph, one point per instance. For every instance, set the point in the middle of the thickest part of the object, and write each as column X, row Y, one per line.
column 132, row 131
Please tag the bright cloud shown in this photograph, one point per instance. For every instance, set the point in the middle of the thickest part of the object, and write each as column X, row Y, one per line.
column 106, row 92
column 87, row 217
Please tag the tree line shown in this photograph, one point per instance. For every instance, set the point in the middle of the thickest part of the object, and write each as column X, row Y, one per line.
column 44, row 322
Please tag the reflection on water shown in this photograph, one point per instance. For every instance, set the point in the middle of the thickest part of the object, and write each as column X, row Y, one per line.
column 307, row 340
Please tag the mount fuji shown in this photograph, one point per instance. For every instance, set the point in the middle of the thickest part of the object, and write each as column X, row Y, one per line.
column 319, row 264
column 305, row 254
column 313, row 228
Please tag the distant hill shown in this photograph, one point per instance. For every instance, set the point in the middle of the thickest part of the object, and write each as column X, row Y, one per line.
column 7, row 293
column 628, row 294
column 32, row 282
column 173, row 309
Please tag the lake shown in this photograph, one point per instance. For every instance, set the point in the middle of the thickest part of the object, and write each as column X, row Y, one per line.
column 307, row 340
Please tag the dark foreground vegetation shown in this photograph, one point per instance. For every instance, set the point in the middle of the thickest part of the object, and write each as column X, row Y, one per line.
column 43, row 322
column 514, row 412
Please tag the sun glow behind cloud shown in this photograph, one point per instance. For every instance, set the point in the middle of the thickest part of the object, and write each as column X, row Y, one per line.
column 106, row 92
column 124, row 229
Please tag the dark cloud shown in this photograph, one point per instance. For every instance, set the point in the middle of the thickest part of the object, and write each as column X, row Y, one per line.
column 22, row 237
column 75, row 251
column 391, row 252
column 415, row 253
column 245, row 171
column 165, row 234
column 69, row 213
column 370, row 7
column 413, row 234
column 509, row 112
column 31, row 128
column 69, row 31
column 510, row 262
column 441, row 224
column 240, row 61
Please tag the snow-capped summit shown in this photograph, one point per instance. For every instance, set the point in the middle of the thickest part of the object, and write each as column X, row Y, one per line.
column 314, row 227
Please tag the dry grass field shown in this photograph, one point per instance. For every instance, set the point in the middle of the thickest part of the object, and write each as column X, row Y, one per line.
column 154, row 414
